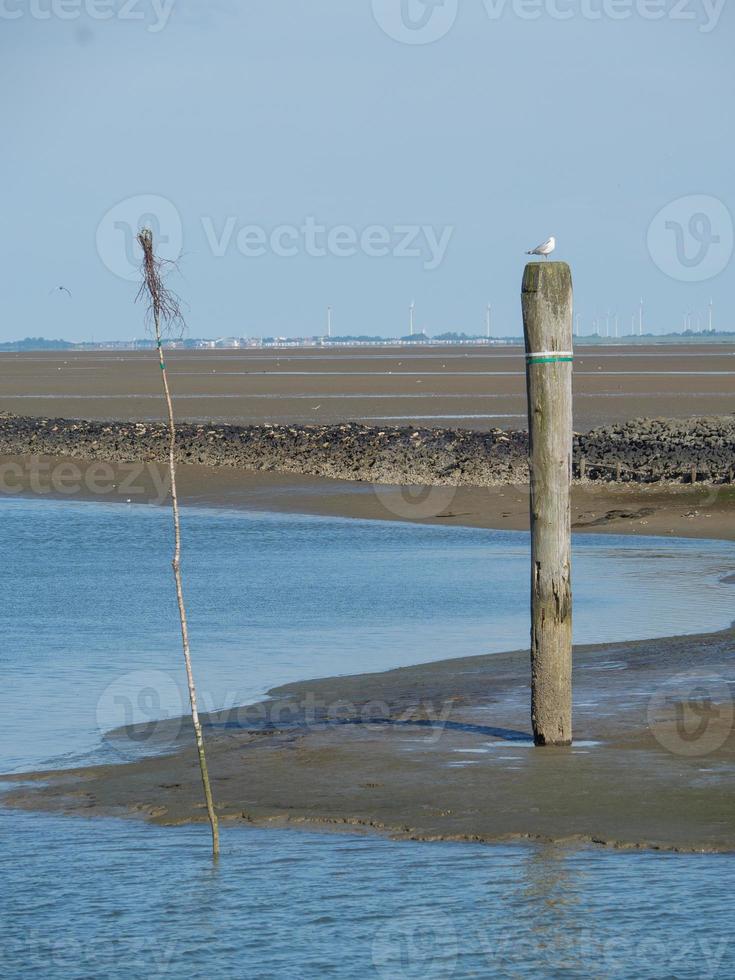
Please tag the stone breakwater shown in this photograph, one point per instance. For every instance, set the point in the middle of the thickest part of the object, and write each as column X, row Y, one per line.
column 652, row 450
column 643, row 450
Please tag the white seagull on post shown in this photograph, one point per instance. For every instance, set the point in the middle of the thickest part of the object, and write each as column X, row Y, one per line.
column 545, row 248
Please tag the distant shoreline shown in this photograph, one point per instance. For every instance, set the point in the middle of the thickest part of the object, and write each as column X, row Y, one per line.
column 40, row 344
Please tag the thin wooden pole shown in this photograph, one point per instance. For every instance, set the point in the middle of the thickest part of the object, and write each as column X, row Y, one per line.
column 547, row 324
column 161, row 305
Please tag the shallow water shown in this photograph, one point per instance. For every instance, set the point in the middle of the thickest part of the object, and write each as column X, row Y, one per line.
column 88, row 608
column 89, row 617
column 118, row 900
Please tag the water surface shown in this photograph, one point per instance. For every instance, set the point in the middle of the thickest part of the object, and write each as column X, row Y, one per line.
column 87, row 607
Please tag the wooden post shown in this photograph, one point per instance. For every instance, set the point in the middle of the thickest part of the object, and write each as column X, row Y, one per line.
column 547, row 324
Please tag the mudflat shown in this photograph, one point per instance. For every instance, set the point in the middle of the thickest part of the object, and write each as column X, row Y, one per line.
column 468, row 387
column 443, row 751
column 692, row 511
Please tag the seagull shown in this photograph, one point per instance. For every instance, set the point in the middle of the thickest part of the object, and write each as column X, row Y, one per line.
column 545, row 249
column 63, row 289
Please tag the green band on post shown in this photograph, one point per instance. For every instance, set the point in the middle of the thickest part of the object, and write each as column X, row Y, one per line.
column 554, row 359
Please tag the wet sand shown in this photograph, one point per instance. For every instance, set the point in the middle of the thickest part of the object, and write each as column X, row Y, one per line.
column 442, row 752
column 469, row 387
column 700, row 511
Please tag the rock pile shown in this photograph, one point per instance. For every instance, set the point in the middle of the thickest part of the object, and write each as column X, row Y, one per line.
column 643, row 450
column 649, row 450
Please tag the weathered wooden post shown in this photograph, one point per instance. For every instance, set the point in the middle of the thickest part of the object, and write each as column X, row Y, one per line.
column 547, row 326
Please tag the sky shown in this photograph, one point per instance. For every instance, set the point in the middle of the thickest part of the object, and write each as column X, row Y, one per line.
column 364, row 155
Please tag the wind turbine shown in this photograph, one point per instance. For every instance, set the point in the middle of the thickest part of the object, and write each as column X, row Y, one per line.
column 487, row 320
column 329, row 321
column 410, row 318
column 710, row 315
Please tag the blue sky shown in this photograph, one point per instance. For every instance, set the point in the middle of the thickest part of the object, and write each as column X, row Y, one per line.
column 296, row 155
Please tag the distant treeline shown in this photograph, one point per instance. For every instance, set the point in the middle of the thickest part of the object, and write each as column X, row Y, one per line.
column 36, row 343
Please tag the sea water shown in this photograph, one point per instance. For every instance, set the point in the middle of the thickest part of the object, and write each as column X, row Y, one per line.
column 87, row 607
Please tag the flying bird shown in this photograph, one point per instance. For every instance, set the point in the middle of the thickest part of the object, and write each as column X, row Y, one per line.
column 545, row 249
column 62, row 289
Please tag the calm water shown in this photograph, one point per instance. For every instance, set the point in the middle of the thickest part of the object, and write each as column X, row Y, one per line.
column 87, row 609
column 116, row 900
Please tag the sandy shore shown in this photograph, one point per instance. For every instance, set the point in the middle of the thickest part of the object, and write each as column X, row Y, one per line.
column 470, row 387
column 442, row 751
column 699, row 511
